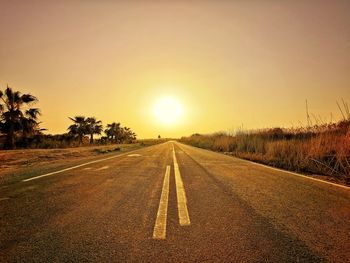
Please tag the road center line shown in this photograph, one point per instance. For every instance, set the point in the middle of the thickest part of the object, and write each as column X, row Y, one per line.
column 159, row 231
column 184, row 218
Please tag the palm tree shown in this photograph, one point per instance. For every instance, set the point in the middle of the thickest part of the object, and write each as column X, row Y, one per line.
column 13, row 118
column 113, row 131
column 93, row 127
column 79, row 128
column 128, row 135
column 118, row 134
column 133, row 136
column 30, row 124
column 125, row 133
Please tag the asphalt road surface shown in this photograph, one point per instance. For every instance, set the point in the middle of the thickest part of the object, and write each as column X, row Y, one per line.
column 173, row 203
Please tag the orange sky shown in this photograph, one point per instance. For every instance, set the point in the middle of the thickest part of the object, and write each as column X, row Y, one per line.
column 227, row 62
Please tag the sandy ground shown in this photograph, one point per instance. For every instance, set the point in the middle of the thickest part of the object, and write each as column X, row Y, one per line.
column 16, row 162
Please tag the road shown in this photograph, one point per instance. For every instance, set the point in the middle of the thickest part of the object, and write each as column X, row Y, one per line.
column 173, row 203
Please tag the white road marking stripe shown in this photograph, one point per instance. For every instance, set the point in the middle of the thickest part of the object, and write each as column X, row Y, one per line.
column 4, row 198
column 80, row 165
column 184, row 218
column 134, row 155
column 87, row 168
column 159, row 231
column 84, row 164
column 102, row 168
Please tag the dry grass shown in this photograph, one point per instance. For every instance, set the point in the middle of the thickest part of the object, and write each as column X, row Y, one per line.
column 323, row 150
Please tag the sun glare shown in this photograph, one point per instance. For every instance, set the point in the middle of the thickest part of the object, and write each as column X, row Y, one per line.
column 168, row 110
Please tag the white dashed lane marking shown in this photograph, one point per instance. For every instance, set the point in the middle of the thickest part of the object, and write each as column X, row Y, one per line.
column 102, row 168
column 134, row 155
column 74, row 167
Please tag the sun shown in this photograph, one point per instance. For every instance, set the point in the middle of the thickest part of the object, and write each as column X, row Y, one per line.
column 168, row 110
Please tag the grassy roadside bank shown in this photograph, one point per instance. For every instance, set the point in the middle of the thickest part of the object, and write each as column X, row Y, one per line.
column 320, row 150
column 27, row 162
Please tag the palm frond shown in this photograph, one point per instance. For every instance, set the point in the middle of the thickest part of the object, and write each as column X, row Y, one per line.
column 33, row 113
column 27, row 98
column 9, row 94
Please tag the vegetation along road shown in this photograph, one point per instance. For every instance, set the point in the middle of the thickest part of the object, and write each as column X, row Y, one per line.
column 173, row 203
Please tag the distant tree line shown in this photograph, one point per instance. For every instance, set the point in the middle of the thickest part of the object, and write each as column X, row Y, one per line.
column 115, row 133
column 20, row 127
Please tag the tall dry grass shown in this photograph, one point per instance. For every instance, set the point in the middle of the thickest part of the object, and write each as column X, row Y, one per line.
column 322, row 149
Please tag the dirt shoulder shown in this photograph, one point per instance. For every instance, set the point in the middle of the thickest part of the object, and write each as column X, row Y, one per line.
column 16, row 163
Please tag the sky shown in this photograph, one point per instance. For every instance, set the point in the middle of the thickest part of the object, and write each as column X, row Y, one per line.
column 227, row 64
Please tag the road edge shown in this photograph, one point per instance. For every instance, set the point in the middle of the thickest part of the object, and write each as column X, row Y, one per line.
column 275, row 168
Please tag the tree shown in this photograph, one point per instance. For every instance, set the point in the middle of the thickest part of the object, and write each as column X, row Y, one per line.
column 30, row 124
column 113, row 131
column 127, row 135
column 93, row 127
column 79, row 128
column 16, row 116
column 119, row 134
